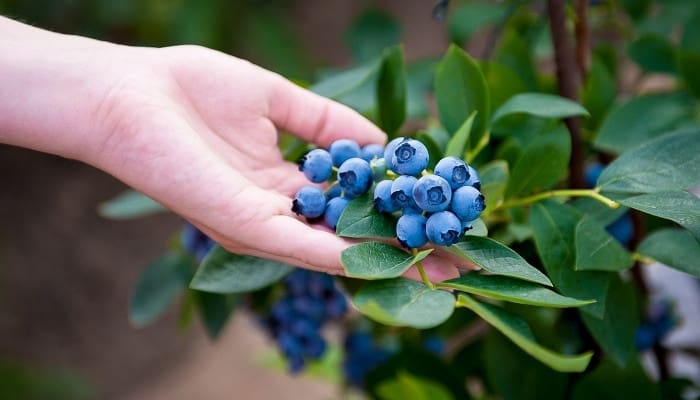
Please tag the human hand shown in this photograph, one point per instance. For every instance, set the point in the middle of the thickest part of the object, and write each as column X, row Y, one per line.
column 196, row 130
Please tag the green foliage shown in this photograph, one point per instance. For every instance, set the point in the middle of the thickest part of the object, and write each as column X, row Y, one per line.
column 361, row 220
column 159, row 285
column 509, row 289
column 540, row 105
column 224, row 272
column 374, row 260
column 673, row 247
column 408, row 387
column 518, row 331
column 597, row 250
column 129, row 204
column 460, row 89
column 498, row 259
column 402, row 302
column 391, row 91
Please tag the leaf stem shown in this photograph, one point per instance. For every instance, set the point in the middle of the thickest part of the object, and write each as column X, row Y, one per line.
column 330, row 187
column 421, row 271
column 592, row 193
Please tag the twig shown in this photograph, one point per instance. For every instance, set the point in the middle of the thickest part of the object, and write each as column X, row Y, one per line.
column 583, row 46
column 568, row 80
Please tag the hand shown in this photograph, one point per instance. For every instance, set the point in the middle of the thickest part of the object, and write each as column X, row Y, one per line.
column 196, row 130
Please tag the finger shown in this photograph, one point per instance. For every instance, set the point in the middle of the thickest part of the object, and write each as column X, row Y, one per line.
column 436, row 268
column 460, row 262
column 317, row 119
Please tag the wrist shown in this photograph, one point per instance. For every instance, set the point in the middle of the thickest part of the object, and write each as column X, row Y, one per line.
column 51, row 87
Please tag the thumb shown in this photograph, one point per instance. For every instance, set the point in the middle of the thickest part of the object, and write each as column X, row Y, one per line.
column 317, row 119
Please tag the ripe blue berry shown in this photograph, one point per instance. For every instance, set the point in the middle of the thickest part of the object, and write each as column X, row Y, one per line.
column 391, row 147
column 409, row 158
column 355, row 177
column 622, row 228
column 432, row 193
column 342, row 150
column 402, row 191
column 334, row 191
column 309, row 202
column 334, row 208
column 443, row 228
column 410, row 230
column 317, row 165
column 196, row 242
column 474, row 179
column 467, row 203
column 372, row 151
column 382, row 197
column 454, row 170
column 592, row 174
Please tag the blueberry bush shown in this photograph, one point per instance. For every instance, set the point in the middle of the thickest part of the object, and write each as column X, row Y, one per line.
column 534, row 157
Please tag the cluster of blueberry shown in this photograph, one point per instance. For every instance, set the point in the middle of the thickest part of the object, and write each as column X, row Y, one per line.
column 351, row 171
column 437, row 207
column 195, row 241
column 295, row 321
column 362, row 355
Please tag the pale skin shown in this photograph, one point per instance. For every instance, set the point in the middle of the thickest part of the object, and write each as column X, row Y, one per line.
column 192, row 128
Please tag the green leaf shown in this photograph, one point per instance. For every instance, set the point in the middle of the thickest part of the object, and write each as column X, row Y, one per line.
column 498, row 259
column 689, row 53
column 374, row 260
column 391, row 90
column 615, row 331
column 494, row 179
column 457, row 145
column 361, row 220
column 478, row 228
column 162, row 282
column 598, row 93
column 539, row 105
column 521, row 377
column 409, row 387
column 215, row 310
column 641, row 119
column 519, row 332
column 678, row 206
column 403, row 302
column 609, row 381
column 513, row 290
column 543, row 162
column 597, row 250
column 673, row 247
column 553, row 227
column 653, row 52
column 342, row 83
column 224, row 272
column 466, row 19
column 129, row 204
column 460, row 89
column 670, row 162
column 372, row 32
column 419, row 84
column 503, row 82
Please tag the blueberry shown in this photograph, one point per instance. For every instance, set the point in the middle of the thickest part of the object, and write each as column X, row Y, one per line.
column 382, row 197
column 432, row 193
column 402, row 191
column 434, row 344
column 336, row 306
column 314, row 346
column 334, row 208
column 342, row 150
column 309, row 307
column 317, row 165
column 372, row 151
column 453, row 170
column 297, row 282
column 622, row 229
column 443, row 228
column 467, row 203
column 355, row 177
column 378, row 166
column 410, row 230
column 333, row 191
column 409, row 158
column 474, row 179
column 309, row 202
column 592, row 173
column 391, row 147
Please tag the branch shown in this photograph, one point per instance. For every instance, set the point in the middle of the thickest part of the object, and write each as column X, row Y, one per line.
column 568, row 79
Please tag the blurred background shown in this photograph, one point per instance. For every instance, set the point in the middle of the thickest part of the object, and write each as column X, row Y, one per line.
column 66, row 274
